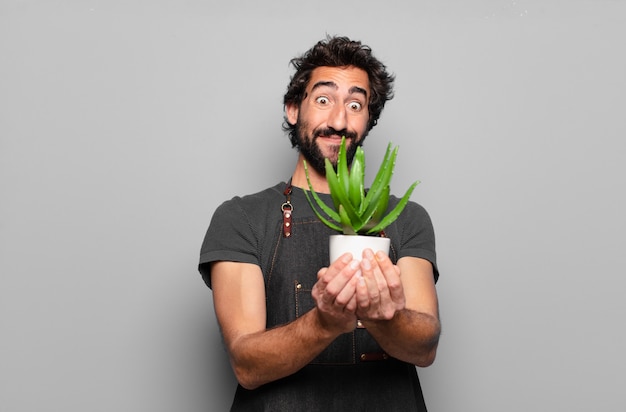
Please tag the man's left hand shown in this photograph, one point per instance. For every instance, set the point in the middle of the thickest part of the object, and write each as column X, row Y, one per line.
column 379, row 290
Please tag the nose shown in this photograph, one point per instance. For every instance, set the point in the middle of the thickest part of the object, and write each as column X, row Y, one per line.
column 337, row 118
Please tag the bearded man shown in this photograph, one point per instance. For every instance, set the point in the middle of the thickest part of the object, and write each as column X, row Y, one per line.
column 303, row 333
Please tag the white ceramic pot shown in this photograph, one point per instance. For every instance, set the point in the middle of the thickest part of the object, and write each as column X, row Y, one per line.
column 355, row 244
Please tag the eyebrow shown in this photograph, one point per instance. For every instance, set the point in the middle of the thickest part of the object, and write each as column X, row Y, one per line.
column 333, row 85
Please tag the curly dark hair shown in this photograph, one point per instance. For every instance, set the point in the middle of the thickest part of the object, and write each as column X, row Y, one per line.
column 339, row 52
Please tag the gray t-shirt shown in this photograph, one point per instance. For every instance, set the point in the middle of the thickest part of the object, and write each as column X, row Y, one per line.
column 244, row 229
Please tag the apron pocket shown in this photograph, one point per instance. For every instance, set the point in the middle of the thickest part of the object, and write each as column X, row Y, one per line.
column 342, row 350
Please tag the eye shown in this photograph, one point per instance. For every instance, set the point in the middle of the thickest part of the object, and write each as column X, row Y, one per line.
column 355, row 106
column 323, row 100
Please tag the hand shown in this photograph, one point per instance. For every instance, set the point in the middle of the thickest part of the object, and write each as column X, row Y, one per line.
column 379, row 290
column 335, row 294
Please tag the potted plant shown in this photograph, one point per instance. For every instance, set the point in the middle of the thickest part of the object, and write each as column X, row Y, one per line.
column 360, row 215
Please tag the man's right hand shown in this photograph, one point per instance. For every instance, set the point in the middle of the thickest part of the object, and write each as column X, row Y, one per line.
column 335, row 294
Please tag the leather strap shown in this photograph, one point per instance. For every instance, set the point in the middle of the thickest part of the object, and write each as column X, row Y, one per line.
column 373, row 356
column 287, row 209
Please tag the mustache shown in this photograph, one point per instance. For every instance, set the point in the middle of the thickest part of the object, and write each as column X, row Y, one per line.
column 329, row 131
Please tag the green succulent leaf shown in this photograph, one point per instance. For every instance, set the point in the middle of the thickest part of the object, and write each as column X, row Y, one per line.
column 342, row 166
column 341, row 197
column 332, row 214
column 333, row 184
column 377, row 213
column 393, row 215
column 357, row 177
column 355, row 210
column 326, row 221
column 381, row 182
column 346, row 223
column 382, row 203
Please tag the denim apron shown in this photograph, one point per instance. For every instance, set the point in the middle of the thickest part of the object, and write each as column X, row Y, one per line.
column 353, row 373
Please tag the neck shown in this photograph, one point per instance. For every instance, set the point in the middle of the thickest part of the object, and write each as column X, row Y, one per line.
column 318, row 181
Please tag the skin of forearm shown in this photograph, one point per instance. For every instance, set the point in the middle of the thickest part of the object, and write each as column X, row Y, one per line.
column 268, row 355
column 410, row 336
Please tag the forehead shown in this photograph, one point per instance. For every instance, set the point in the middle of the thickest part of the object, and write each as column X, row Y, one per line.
column 346, row 77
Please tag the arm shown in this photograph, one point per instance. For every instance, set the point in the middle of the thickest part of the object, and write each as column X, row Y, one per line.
column 398, row 306
column 259, row 355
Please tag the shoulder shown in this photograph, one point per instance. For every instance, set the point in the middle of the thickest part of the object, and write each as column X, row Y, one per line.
column 240, row 225
column 250, row 215
column 253, row 203
column 414, row 223
column 413, row 211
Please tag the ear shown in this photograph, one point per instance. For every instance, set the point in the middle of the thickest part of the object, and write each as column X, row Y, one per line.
column 291, row 110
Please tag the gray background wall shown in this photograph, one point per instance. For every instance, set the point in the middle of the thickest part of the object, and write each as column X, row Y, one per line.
column 123, row 124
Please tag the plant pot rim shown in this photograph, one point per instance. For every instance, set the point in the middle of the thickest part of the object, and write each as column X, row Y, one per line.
column 338, row 245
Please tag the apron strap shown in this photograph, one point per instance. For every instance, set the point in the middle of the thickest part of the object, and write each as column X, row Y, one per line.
column 287, row 209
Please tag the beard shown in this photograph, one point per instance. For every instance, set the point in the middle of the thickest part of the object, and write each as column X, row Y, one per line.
column 307, row 145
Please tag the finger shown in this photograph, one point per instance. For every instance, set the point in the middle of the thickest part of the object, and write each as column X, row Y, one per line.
column 392, row 277
column 326, row 275
column 362, row 295
column 347, row 295
column 376, row 280
column 339, row 286
column 337, row 266
column 386, row 265
column 352, row 304
column 368, row 294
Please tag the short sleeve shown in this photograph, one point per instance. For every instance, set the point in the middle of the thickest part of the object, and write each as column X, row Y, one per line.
column 230, row 237
column 417, row 235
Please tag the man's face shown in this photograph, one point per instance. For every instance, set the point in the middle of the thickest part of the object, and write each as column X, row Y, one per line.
column 335, row 105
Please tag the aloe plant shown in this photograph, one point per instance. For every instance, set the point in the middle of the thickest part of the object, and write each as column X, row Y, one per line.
column 357, row 211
